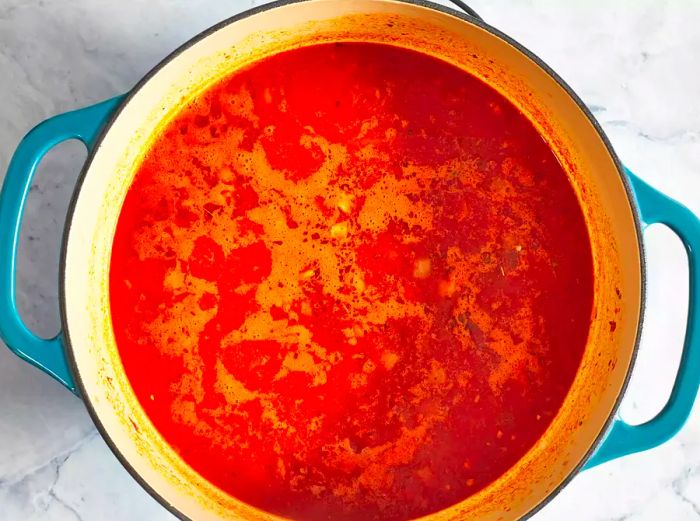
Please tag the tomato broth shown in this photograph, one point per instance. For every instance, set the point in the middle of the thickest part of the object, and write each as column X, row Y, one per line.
column 351, row 282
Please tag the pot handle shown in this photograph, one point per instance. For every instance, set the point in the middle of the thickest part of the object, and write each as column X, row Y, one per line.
column 84, row 125
column 624, row 439
column 464, row 7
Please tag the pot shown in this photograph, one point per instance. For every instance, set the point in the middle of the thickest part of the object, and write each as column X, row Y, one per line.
column 616, row 204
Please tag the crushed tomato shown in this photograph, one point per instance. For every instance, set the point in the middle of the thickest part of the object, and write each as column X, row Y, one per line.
column 351, row 282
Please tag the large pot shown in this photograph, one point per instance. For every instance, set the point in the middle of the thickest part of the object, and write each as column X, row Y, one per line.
column 616, row 205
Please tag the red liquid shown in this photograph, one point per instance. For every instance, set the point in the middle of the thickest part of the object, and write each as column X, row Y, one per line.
column 351, row 282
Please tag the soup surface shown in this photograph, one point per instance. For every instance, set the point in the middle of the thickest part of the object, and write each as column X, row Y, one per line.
column 351, row 282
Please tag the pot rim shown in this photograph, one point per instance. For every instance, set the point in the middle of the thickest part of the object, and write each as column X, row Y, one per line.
column 465, row 17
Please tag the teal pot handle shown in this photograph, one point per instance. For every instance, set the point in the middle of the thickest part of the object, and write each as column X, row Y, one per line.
column 624, row 439
column 84, row 125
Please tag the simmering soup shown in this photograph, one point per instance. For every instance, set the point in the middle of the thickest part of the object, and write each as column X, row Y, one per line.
column 351, row 282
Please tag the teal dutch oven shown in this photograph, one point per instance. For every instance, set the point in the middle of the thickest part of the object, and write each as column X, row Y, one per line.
column 617, row 205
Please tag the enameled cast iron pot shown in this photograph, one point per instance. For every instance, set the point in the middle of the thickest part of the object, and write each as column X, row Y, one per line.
column 617, row 207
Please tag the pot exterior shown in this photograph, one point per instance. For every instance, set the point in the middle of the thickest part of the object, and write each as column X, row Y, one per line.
column 578, row 143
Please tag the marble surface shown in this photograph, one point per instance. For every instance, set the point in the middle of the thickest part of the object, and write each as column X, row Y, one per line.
column 635, row 62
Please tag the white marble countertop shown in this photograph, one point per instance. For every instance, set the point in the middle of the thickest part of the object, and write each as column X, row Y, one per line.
column 636, row 63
